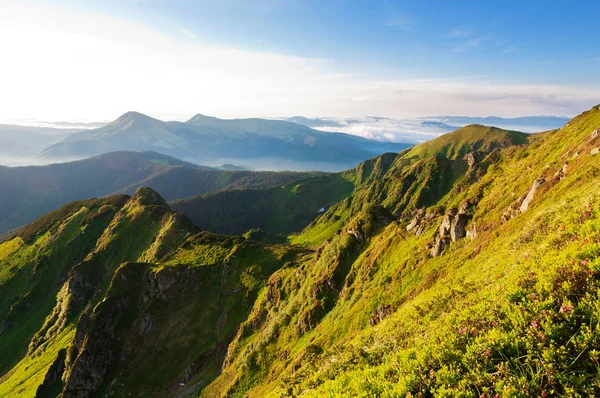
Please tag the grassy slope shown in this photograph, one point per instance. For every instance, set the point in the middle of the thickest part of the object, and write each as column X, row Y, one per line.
column 31, row 192
column 484, row 318
column 279, row 210
column 73, row 272
column 368, row 313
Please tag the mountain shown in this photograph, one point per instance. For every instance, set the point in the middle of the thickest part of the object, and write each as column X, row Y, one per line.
column 466, row 266
column 257, row 143
column 313, row 122
column 525, row 123
column 27, row 141
column 277, row 210
column 30, row 192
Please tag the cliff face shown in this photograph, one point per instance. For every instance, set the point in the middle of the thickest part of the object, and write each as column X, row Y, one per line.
column 449, row 267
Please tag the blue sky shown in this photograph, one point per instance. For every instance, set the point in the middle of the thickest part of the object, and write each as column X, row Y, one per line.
column 542, row 56
column 522, row 41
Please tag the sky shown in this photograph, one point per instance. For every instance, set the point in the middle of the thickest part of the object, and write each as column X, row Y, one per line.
column 94, row 60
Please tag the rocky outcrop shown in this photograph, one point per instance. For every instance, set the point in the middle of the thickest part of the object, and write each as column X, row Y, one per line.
column 595, row 151
column 452, row 228
column 562, row 173
column 419, row 222
column 438, row 247
column 472, row 158
column 472, row 231
column 458, row 229
column 52, row 379
column 529, row 198
column 446, row 224
column 416, row 220
column 98, row 351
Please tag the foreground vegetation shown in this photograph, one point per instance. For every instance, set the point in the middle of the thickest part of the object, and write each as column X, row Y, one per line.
column 467, row 266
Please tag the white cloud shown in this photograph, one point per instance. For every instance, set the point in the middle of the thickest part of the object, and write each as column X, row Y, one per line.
column 65, row 64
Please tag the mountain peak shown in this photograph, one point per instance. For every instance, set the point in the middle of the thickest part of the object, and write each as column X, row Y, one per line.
column 473, row 137
column 134, row 118
column 199, row 118
column 149, row 197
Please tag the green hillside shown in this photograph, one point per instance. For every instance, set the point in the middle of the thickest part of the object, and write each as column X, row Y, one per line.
column 30, row 192
column 467, row 266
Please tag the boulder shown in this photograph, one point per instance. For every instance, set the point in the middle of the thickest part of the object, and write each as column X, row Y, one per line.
column 472, row 231
column 530, row 195
column 416, row 220
column 595, row 133
column 594, row 151
column 438, row 247
column 562, row 173
column 458, row 229
column 447, row 224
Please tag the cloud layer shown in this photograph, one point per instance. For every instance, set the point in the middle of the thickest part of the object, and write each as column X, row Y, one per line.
column 65, row 64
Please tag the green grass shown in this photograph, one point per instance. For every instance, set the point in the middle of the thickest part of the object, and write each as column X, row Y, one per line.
column 354, row 305
column 24, row 379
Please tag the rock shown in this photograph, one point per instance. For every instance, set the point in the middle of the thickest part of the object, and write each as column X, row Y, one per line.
column 53, row 376
column 472, row 232
column 458, row 229
column 562, row 173
column 529, row 197
column 595, row 151
column 508, row 214
column 438, row 247
column 473, row 158
column 447, row 224
column 595, row 133
column 416, row 220
column 146, row 323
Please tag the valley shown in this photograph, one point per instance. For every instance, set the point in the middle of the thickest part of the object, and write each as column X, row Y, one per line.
column 463, row 266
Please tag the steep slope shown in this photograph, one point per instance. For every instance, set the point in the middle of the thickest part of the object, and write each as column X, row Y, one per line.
column 283, row 209
column 114, row 305
column 29, row 192
column 258, row 143
column 465, row 270
column 506, row 306
column 278, row 210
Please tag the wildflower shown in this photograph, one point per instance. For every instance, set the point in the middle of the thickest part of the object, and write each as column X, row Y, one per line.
column 462, row 330
column 532, row 296
column 544, row 394
column 542, row 336
column 486, row 352
column 566, row 308
column 584, row 262
column 535, row 324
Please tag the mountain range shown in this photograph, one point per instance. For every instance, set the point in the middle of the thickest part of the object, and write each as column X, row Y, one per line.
column 30, row 192
column 467, row 266
column 258, row 143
